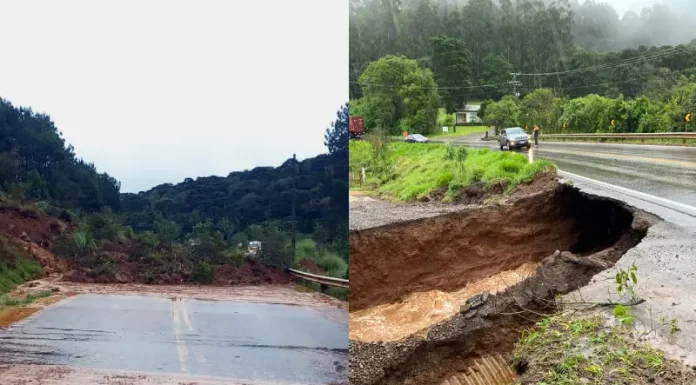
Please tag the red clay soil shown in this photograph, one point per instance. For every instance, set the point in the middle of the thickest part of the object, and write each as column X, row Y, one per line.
column 35, row 232
column 447, row 252
column 250, row 273
column 15, row 223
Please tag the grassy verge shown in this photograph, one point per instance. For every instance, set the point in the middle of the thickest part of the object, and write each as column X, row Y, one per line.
column 16, row 266
column 7, row 301
column 584, row 350
column 409, row 171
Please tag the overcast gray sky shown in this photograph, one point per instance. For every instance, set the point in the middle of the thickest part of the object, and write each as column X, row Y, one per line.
column 156, row 91
column 622, row 6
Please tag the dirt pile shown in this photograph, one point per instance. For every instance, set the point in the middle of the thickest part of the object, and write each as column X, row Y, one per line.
column 448, row 252
column 36, row 232
column 121, row 270
column 569, row 235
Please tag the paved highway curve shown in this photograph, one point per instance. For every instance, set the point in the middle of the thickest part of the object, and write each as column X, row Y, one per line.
column 664, row 171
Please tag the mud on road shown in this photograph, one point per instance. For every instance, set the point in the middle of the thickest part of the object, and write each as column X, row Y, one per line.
column 508, row 257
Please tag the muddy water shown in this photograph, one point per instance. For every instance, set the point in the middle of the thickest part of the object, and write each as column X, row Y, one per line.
column 418, row 311
column 252, row 341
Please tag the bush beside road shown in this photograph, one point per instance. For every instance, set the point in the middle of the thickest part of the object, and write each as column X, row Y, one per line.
column 408, row 172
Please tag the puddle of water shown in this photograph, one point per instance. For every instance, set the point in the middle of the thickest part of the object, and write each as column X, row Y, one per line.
column 11, row 315
column 418, row 311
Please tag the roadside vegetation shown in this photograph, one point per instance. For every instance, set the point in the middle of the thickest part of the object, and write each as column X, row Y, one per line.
column 586, row 345
column 409, row 172
column 567, row 349
column 7, row 301
column 16, row 266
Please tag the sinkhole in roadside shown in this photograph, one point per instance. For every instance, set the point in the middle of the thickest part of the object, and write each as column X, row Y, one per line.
column 409, row 280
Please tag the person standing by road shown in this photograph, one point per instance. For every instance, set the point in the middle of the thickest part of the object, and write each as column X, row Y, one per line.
column 536, row 135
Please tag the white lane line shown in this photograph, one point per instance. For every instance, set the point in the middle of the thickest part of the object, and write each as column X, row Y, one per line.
column 185, row 316
column 180, row 344
column 183, row 309
column 672, row 205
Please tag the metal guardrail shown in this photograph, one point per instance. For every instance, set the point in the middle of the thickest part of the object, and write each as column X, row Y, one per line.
column 324, row 280
column 660, row 135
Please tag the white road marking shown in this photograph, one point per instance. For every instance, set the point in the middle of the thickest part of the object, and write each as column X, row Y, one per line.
column 180, row 344
column 672, row 205
column 183, row 310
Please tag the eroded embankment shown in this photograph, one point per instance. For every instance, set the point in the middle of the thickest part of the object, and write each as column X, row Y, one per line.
column 391, row 263
column 447, row 252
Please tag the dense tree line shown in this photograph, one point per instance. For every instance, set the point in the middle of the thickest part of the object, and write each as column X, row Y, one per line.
column 317, row 186
column 594, row 113
column 473, row 46
column 36, row 164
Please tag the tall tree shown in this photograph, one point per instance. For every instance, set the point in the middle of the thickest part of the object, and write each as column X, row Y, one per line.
column 399, row 95
column 336, row 136
column 450, row 61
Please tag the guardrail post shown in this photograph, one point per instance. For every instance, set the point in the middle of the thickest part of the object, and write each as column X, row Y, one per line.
column 323, row 288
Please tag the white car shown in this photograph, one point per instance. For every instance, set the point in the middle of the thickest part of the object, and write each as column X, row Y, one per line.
column 416, row 138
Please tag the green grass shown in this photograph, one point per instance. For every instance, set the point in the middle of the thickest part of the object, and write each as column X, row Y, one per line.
column 7, row 301
column 332, row 264
column 16, row 266
column 565, row 350
column 417, row 170
column 464, row 130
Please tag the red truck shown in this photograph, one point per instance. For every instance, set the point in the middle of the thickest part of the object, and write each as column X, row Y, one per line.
column 355, row 127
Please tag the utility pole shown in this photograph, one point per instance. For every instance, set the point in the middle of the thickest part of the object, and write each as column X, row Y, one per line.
column 515, row 83
column 294, row 199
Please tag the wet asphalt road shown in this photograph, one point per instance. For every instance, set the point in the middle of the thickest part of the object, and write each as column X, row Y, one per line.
column 249, row 341
column 665, row 171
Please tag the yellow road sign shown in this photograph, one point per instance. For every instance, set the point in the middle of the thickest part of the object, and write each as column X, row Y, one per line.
column 612, row 123
column 687, row 117
column 565, row 125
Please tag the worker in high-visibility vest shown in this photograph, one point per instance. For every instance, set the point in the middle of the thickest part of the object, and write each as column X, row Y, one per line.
column 536, row 135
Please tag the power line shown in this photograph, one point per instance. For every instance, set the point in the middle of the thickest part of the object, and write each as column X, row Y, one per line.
column 600, row 67
column 515, row 83
column 429, row 87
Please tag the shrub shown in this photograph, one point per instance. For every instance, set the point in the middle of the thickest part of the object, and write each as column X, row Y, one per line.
column 333, row 265
column 16, row 266
column 203, row 272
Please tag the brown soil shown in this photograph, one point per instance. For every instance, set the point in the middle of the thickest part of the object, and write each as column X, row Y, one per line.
column 280, row 294
column 250, row 273
column 16, row 222
column 36, row 232
column 445, row 253
column 417, row 312
column 26, row 374
column 448, row 252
